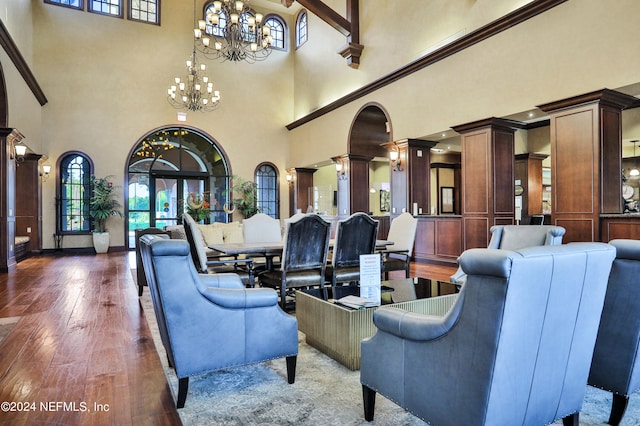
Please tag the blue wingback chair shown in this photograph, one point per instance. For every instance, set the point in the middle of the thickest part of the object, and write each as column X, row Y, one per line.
column 616, row 358
column 514, row 349
column 514, row 237
column 210, row 322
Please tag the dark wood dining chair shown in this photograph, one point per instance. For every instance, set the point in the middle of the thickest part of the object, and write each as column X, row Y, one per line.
column 304, row 257
column 355, row 235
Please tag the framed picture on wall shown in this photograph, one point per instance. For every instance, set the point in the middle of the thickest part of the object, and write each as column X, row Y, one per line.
column 385, row 200
column 446, row 199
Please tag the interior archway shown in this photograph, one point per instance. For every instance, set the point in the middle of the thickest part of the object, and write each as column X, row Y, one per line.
column 370, row 129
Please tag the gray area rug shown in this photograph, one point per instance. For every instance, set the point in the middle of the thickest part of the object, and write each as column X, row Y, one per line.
column 6, row 325
column 324, row 393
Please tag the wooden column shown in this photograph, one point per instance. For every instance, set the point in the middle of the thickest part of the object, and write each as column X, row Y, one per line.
column 8, row 139
column 528, row 170
column 411, row 175
column 586, row 149
column 487, row 178
column 29, row 201
column 299, row 189
column 357, row 171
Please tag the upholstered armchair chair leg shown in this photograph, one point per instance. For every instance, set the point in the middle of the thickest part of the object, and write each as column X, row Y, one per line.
column 571, row 420
column 183, row 387
column 291, row 369
column 369, row 400
column 618, row 407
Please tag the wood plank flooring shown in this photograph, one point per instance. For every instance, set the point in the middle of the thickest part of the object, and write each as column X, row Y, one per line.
column 82, row 352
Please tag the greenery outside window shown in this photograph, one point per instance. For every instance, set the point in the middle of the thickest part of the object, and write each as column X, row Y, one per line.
column 74, row 190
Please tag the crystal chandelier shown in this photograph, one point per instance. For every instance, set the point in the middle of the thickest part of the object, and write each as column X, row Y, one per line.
column 196, row 92
column 232, row 32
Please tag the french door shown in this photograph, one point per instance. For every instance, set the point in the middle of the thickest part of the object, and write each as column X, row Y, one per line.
column 169, row 194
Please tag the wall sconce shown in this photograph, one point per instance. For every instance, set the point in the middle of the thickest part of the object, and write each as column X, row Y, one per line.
column 394, row 156
column 341, row 169
column 289, row 178
column 46, row 169
column 17, row 151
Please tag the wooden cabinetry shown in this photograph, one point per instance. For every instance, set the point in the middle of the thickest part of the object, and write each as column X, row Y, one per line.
column 438, row 239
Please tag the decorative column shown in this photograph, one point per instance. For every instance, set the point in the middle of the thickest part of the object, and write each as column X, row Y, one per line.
column 586, row 152
column 487, row 178
column 8, row 139
column 357, row 168
column 299, row 189
column 410, row 176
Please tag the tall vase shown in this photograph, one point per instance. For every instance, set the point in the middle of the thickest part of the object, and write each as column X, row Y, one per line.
column 101, row 242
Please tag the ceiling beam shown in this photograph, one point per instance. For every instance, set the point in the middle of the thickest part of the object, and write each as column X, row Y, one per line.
column 349, row 26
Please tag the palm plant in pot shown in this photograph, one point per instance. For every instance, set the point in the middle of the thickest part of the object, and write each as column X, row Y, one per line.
column 102, row 205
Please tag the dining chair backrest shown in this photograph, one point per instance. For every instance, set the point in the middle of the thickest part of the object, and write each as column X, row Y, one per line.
column 402, row 233
column 261, row 228
column 196, row 246
column 295, row 217
column 306, row 243
column 355, row 235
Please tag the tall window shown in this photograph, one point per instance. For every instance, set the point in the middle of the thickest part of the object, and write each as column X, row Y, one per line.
column 301, row 28
column 76, row 4
column 276, row 25
column 74, row 192
column 267, row 183
column 165, row 167
column 106, row 7
column 145, row 11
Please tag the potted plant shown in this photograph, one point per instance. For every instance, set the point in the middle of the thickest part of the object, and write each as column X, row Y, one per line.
column 102, row 205
column 246, row 195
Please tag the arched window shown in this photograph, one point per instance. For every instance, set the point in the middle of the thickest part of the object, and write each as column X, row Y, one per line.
column 268, row 194
column 301, row 28
column 277, row 31
column 74, row 191
column 165, row 167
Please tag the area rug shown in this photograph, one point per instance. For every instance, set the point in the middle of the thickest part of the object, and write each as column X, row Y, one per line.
column 6, row 325
column 324, row 393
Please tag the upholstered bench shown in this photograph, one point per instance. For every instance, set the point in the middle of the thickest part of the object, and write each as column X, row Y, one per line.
column 21, row 248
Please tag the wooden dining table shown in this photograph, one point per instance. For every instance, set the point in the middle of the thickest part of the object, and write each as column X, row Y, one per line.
column 267, row 250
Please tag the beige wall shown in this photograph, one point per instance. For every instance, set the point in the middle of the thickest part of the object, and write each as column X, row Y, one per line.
column 574, row 48
column 106, row 79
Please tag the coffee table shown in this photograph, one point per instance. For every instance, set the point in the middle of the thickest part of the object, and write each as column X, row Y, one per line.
column 337, row 331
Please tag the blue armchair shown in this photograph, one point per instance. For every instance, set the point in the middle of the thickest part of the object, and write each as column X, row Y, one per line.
column 515, row 348
column 211, row 322
column 616, row 358
column 514, row 237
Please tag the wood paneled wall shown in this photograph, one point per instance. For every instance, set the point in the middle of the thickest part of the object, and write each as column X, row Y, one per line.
column 29, row 201
column 487, row 178
column 586, row 147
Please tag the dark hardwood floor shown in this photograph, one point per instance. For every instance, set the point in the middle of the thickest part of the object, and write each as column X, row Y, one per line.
column 81, row 352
